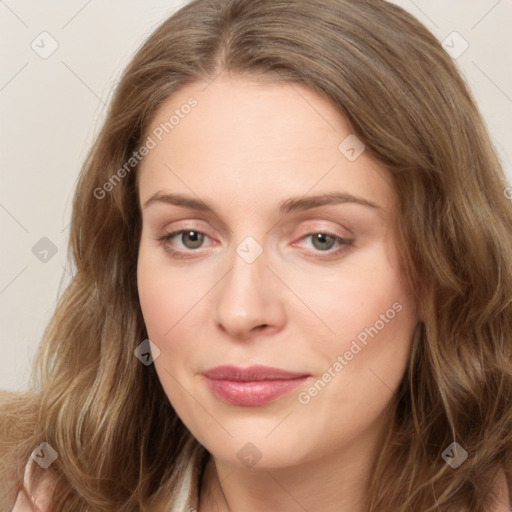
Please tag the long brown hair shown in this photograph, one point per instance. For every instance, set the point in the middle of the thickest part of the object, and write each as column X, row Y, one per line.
column 121, row 445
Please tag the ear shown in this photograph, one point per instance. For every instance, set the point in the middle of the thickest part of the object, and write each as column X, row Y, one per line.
column 40, row 494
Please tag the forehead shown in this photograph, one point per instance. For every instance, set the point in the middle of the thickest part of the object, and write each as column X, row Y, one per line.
column 259, row 112
column 242, row 135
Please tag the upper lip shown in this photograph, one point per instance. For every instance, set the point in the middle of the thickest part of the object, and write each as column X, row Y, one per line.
column 251, row 373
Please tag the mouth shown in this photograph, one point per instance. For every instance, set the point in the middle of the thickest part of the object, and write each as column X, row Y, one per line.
column 252, row 386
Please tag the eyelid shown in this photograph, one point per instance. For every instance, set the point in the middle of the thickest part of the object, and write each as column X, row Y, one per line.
column 343, row 244
column 187, row 225
column 326, row 226
column 309, row 229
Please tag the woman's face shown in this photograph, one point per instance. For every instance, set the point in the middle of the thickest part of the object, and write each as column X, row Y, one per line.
column 255, row 182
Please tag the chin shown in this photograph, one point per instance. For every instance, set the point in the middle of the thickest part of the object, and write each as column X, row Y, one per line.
column 256, row 451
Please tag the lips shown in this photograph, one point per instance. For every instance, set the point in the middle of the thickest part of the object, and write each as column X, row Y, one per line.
column 252, row 386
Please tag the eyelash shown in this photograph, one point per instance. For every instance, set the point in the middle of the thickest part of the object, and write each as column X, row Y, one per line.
column 345, row 244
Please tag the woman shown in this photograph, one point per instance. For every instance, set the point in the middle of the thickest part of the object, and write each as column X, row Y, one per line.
column 211, row 352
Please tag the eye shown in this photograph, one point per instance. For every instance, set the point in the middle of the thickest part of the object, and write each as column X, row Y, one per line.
column 324, row 242
column 190, row 238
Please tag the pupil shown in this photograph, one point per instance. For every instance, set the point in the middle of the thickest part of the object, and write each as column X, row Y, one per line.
column 321, row 237
column 196, row 238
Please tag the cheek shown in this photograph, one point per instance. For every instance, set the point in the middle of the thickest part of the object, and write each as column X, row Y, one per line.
column 170, row 303
column 354, row 295
column 156, row 301
column 372, row 317
column 167, row 295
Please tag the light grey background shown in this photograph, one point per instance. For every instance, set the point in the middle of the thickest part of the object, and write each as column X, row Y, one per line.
column 52, row 106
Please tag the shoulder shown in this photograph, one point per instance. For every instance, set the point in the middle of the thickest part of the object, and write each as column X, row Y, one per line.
column 34, row 498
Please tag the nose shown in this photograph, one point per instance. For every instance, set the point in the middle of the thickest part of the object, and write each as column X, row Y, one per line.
column 249, row 301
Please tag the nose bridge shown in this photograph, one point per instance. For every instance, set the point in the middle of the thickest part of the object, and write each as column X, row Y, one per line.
column 247, row 298
column 248, row 272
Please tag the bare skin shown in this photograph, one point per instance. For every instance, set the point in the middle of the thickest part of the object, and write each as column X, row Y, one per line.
column 246, row 147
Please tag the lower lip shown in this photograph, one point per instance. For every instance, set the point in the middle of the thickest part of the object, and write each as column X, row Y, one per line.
column 252, row 393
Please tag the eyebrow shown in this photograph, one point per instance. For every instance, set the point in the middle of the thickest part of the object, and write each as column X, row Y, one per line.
column 292, row 204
